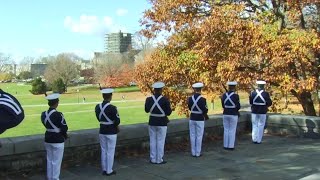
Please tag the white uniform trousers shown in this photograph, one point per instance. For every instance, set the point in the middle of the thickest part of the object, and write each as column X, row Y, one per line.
column 196, row 129
column 230, row 128
column 157, row 136
column 108, row 145
column 54, row 159
column 258, row 122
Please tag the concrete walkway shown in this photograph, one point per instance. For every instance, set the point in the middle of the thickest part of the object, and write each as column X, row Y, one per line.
column 276, row 158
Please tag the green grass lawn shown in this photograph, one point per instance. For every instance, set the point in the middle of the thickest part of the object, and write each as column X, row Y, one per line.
column 79, row 114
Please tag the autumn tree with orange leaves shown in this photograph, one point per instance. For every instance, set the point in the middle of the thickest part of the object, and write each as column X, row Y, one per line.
column 113, row 70
column 217, row 41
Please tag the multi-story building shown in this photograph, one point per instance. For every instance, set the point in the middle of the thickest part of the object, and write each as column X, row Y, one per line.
column 118, row 42
column 38, row 69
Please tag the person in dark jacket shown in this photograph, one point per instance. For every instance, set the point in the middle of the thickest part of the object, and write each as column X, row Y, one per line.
column 198, row 114
column 159, row 108
column 56, row 134
column 259, row 101
column 231, row 105
column 11, row 112
column 108, row 116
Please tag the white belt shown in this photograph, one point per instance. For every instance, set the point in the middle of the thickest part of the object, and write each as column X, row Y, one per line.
column 54, row 130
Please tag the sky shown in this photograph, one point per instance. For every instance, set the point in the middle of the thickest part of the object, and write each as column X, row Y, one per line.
column 39, row 27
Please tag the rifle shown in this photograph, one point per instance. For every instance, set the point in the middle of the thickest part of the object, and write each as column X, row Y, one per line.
column 151, row 90
column 224, row 87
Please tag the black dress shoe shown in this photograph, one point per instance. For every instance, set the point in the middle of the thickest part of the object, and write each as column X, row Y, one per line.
column 152, row 162
column 163, row 162
column 113, row 173
column 104, row 172
column 254, row 142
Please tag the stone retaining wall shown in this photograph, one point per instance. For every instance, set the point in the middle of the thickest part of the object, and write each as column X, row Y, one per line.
column 301, row 126
column 28, row 153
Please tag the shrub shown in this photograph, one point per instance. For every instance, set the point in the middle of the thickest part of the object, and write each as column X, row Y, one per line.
column 58, row 86
column 38, row 86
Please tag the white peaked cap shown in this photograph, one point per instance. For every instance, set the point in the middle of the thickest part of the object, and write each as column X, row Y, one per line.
column 232, row 83
column 261, row 82
column 106, row 91
column 53, row 96
column 197, row 85
column 158, row 85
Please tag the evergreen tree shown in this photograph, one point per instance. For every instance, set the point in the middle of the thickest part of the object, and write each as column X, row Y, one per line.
column 38, row 86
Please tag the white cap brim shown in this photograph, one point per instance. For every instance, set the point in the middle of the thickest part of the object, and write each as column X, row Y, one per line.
column 106, row 91
column 197, row 85
column 232, row 83
column 261, row 82
column 53, row 96
column 158, row 85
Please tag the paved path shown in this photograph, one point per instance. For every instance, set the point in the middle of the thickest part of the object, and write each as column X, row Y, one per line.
column 277, row 158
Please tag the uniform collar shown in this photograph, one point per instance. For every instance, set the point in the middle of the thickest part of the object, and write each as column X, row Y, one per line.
column 157, row 94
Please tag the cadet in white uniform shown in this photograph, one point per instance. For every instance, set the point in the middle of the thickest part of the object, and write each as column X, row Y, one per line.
column 11, row 112
column 56, row 134
column 198, row 114
column 159, row 108
column 231, row 105
column 108, row 116
column 260, row 101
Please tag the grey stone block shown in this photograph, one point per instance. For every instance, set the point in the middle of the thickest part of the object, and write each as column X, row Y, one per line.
column 7, row 147
column 28, row 144
column 178, row 126
column 214, row 121
column 82, row 137
column 133, row 131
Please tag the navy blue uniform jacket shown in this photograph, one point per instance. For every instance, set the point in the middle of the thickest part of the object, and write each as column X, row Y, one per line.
column 11, row 112
column 58, row 120
column 164, row 104
column 112, row 113
column 202, row 103
column 236, row 101
column 260, row 109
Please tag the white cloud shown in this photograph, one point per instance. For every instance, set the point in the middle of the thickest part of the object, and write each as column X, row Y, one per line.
column 85, row 24
column 121, row 12
column 107, row 21
column 90, row 24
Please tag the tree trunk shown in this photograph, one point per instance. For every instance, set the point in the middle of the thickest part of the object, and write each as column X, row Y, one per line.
column 306, row 102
